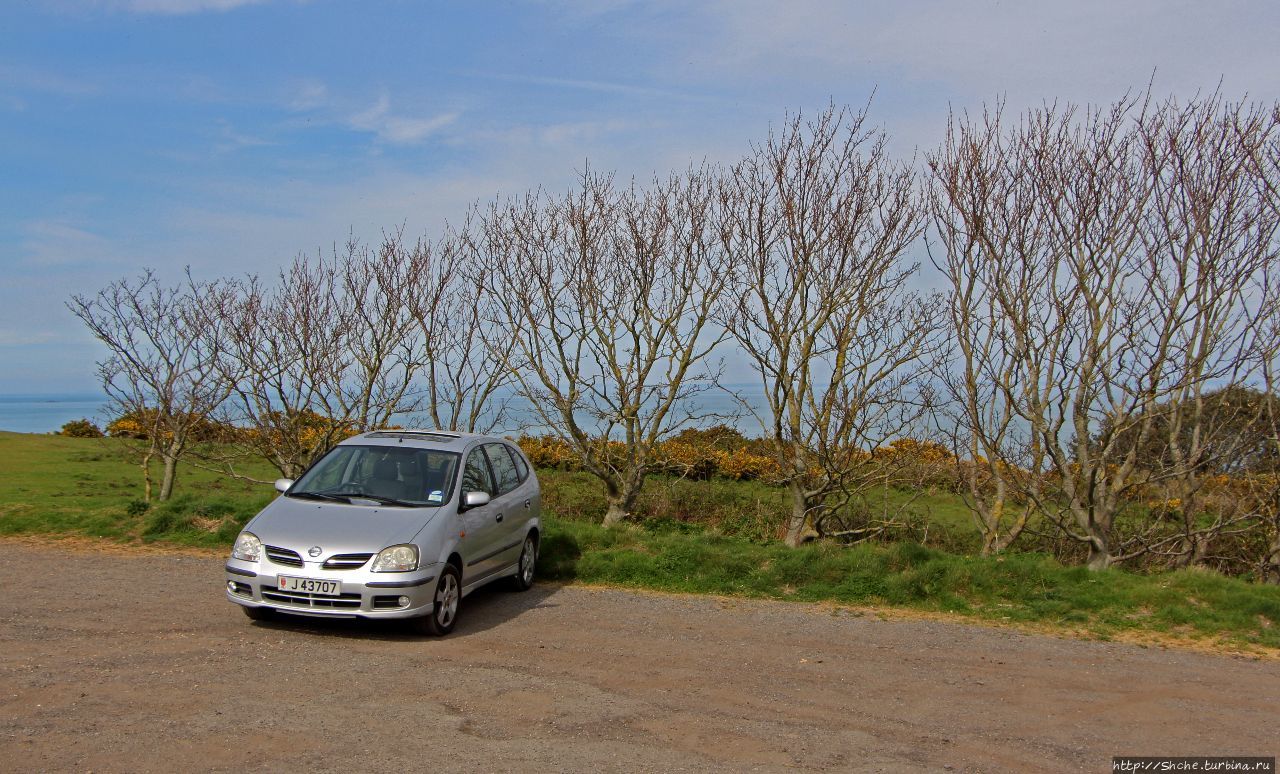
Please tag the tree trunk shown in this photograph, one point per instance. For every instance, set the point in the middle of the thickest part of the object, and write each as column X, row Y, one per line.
column 621, row 499
column 1095, row 522
column 1099, row 553
column 800, row 525
column 1271, row 568
column 616, row 513
column 146, row 475
column 1191, row 551
column 170, row 475
column 990, row 517
column 993, row 542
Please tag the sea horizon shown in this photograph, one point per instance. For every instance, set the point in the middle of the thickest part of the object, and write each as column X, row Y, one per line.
column 47, row 412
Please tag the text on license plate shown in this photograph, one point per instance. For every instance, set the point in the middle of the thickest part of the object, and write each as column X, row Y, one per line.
column 325, row 588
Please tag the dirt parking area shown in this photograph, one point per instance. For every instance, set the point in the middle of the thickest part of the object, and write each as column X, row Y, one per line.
column 129, row 661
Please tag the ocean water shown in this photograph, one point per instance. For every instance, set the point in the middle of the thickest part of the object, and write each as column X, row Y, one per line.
column 46, row 413
column 31, row 413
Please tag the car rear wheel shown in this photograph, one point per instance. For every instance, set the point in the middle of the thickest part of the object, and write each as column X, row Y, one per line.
column 523, row 578
column 448, row 600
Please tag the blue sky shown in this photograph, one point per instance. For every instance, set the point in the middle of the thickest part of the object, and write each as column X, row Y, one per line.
column 230, row 135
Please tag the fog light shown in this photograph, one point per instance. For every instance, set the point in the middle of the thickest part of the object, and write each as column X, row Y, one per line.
column 231, row 586
column 404, row 601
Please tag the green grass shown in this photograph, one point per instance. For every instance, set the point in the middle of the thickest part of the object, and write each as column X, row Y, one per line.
column 85, row 486
column 699, row 537
column 1018, row 588
column 747, row 509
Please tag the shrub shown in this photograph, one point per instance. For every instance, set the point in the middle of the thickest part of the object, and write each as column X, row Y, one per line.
column 80, row 428
column 549, row 452
column 138, row 424
column 693, row 454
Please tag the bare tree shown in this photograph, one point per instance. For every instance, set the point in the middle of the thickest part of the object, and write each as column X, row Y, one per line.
column 983, row 216
column 288, row 345
column 1108, row 265
column 1209, row 236
column 464, row 376
column 1268, row 496
column 382, row 334
column 605, row 298
column 333, row 349
column 819, row 220
column 165, row 367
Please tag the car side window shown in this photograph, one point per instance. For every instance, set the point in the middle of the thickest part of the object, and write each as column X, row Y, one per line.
column 504, row 470
column 521, row 466
column 475, row 476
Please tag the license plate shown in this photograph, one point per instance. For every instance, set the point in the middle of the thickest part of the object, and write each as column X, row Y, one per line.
column 324, row 588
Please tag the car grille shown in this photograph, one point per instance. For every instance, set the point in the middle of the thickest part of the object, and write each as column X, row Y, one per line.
column 310, row 601
column 284, row 556
column 346, row 561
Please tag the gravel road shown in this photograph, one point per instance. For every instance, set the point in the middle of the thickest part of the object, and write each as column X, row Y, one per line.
column 117, row 660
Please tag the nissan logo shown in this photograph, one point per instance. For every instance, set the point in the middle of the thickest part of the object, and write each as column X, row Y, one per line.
column 313, row 551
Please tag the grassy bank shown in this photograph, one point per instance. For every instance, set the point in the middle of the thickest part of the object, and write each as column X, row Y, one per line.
column 53, row 485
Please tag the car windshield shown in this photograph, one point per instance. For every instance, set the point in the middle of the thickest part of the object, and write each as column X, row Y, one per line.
column 383, row 475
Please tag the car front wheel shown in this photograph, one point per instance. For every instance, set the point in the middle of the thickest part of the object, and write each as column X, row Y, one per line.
column 448, row 599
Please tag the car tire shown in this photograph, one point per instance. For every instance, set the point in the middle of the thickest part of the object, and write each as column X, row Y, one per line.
column 258, row 613
column 447, row 604
column 523, row 579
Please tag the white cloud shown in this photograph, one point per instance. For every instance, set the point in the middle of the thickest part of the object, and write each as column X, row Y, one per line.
column 606, row 87
column 176, row 7
column 578, row 135
column 232, row 140
column 1032, row 50
column 44, row 81
column 310, row 94
column 12, row 337
column 53, row 244
column 394, row 129
column 158, row 7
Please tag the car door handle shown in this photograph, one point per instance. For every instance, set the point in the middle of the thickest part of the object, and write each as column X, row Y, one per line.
column 527, row 505
column 499, row 517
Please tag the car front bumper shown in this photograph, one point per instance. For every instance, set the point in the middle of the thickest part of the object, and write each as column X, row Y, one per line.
column 363, row 594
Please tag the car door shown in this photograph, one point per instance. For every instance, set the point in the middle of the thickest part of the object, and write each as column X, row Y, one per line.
column 525, row 497
column 512, row 514
column 481, row 525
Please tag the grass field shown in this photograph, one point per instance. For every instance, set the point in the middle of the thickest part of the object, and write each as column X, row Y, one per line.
column 64, row 486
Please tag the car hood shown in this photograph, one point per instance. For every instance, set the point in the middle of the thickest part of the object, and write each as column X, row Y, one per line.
column 337, row 528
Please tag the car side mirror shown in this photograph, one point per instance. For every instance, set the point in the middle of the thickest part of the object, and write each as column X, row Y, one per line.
column 282, row 484
column 475, row 499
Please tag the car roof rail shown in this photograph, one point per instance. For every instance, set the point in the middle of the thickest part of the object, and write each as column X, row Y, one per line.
column 433, row 435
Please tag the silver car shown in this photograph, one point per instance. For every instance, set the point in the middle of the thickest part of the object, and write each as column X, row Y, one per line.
column 392, row 524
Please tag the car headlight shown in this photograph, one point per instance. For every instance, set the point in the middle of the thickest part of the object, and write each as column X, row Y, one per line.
column 247, row 548
column 396, row 559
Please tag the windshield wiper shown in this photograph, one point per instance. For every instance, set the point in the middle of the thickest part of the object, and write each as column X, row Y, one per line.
column 319, row 496
column 347, row 497
column 378, row 499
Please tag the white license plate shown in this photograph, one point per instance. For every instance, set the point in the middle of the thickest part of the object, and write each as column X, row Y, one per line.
column 325, row 588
